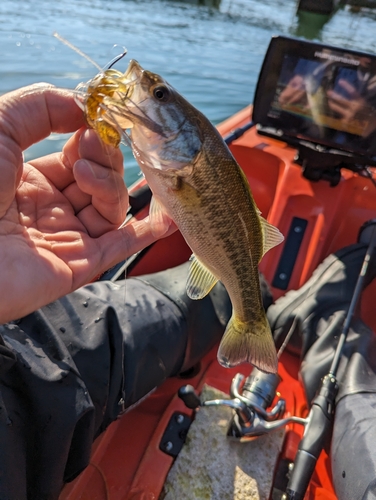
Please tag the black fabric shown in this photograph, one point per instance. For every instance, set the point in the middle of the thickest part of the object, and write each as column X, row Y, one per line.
column 316, row 313
column 353, row 447
column 197, row 313
column 46, row 404
column 68, row 369
column 357, row 369
column 352, row 450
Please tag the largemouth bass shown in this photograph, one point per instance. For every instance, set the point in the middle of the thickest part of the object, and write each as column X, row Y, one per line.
column 196, row 183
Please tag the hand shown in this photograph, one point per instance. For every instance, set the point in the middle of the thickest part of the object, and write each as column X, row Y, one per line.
column 59, row 215
column 294, row 92
column 347, row 107
column 353, row 110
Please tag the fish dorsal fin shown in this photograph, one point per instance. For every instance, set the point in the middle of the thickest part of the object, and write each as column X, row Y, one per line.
column 271, row 235
column 200, row 280
column 160, row 221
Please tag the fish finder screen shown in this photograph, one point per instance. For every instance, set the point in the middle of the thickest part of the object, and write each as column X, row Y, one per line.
column 319, row 93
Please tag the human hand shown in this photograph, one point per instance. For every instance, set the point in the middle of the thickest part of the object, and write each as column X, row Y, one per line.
column 350, row 107
column 294, row 92
column 59, row 215
column 354, row 110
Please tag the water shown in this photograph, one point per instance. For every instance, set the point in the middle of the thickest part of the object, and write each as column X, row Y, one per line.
column 211, row 51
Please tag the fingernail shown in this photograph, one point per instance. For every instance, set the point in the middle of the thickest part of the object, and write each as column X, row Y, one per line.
column 91, row 135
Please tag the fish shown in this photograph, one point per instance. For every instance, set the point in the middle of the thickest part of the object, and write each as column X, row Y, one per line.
column 197, row 184
column 316, row 84
column 317, row 104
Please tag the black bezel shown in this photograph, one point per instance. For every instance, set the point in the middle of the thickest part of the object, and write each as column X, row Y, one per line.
column 266, row 89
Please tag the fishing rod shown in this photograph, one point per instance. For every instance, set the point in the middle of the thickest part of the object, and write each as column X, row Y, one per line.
column 238, row 132
column 320, row 417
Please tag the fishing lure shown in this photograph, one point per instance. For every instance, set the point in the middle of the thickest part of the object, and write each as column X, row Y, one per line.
column 100, row 96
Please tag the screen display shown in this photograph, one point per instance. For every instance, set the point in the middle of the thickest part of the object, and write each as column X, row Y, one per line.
column 318, row 93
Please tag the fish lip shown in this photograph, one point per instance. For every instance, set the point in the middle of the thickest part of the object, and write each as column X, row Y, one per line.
column 134, row 71
column 133, row 76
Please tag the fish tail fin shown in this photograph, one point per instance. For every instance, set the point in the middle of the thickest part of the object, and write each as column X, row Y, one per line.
column 243, row 342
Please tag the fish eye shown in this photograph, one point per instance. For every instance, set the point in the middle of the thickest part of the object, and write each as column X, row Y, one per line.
column 161, row 93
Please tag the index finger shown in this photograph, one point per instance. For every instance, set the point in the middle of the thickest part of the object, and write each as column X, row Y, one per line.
column 337, row 102
column 348, row 87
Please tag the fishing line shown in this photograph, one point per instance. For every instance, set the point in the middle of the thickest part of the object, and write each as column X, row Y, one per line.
column 288, row 337
column 76, row 49
column 81, row 94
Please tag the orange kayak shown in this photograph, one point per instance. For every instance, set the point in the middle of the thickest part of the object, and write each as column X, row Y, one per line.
column 127, row 461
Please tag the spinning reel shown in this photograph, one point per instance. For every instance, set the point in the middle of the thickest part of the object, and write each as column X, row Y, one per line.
column 251, row 418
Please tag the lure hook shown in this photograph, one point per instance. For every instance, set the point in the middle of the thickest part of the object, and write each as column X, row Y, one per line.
column 117, row 58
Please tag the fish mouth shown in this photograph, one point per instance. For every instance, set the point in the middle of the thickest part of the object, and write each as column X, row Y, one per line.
column 134, row 72
column 120, row 100
column 125, row 103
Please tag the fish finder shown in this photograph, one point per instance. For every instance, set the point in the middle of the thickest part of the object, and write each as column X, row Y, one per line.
column 319, row 98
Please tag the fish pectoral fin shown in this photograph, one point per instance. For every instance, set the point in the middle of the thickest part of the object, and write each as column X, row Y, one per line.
column 271, row 235
column 200, row 280
column 251, row 343
column 160, row 221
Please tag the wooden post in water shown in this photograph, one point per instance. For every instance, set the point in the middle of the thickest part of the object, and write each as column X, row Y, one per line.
column 321, row 7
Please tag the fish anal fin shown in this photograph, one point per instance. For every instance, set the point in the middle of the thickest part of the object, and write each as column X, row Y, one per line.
column 271, row 235
column 200, row 280
column 241, row 344
column 160, row 221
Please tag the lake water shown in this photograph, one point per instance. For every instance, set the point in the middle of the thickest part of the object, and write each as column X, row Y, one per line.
column 210, row 50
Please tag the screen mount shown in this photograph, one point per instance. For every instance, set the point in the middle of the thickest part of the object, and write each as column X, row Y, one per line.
column 320, row 162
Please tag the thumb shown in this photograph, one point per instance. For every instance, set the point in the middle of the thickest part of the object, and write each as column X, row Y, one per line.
column 27, row 116
column 11, row 170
